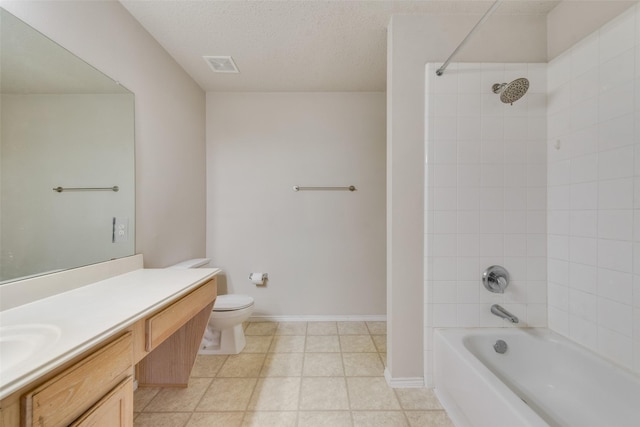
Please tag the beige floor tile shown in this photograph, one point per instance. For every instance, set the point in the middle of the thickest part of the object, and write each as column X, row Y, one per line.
column 377, row 328
column 357, row 344
column 322, row 344
column 428, row 418
column 362, row 365
column 276, row 394
column 261, row 328
column 227, row 394
column 207, row 366
column 216, row 419
column 322, row 328
column 324, row 394
column 371, row 393
column 418, row 398
column 325, row 419
column 381, row 342
column 270, row 419
column 383, row 356
column 179, row 399
column 142, row 397
column 257, row 343
column 380, row 419
column 322, row 365
column 292, row 328
column 352, row 328
column 282, row 365
column 242, row 365
column 176, row 419
column 287, row 344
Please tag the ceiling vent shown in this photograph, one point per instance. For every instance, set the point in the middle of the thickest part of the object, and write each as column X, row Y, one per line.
column 221, row 64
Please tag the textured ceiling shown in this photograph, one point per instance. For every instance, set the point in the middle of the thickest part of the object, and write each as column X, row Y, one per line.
column 293, row 45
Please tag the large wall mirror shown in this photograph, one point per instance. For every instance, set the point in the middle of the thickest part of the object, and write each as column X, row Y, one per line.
column 63, row 124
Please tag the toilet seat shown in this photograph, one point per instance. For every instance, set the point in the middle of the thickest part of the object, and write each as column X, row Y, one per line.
column 232, row 302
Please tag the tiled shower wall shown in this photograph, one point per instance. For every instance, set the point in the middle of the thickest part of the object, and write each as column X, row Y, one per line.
column 594, row 191
column 485, row 197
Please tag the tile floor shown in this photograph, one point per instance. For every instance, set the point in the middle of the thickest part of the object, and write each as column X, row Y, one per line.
column 303, row 374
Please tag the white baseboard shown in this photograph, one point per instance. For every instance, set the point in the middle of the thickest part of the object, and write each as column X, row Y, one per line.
column 320, row 318
column 410, row 382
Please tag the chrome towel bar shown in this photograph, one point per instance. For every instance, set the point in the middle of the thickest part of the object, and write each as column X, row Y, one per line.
column 61, row 189
column 349, row 188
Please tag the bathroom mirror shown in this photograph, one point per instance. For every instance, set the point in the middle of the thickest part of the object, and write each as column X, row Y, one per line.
column 63, row 124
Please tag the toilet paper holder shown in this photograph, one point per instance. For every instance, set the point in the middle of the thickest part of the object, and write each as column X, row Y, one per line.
column 259, row 279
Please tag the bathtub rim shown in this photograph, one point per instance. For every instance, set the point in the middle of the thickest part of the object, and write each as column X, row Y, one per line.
column 453, row 340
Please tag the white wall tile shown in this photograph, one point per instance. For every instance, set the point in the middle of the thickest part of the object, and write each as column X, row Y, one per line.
column 558, row 320
column 585, row 86
column 583, row 250
column 583, row 331
column 582, row 304
column 559, row 71
column 615, row 316
column 584, row 223
column 615, row 285
column 583, row 277
column 615, row 346
column 560, row 197
column 445, row 128
column 584, row 55
column 615, row 255
column 584, row 196
column 615, row 224
column 617, row 132
column 615, row 194
column 469, row 127
column 444, row 152
column 616, row 102
column 558, row 247
column 558, row 222
column 558, row 272
column 444, row 105
column 617, row 37
column 584, row 168
column 584, row 114
column 618, row 71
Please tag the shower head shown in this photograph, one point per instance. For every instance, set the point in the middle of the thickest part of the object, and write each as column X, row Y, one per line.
column 511, row 92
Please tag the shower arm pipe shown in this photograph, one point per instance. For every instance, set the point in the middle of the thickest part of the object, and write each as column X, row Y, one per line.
column 486, row 15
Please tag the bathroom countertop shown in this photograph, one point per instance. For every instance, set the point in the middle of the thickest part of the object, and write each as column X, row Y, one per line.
column 85, row 316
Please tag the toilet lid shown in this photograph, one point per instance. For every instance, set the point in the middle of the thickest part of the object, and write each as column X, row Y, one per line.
column 232, row 302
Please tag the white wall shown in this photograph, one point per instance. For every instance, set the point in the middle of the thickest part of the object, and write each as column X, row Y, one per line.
column 323, row 251
column 79, row 141
column 169, row 118
column 594, row 191
column 485, row 193
column 413, row 41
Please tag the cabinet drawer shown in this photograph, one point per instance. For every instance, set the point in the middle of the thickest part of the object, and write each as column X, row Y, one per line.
column 160, row 326
column 66, row 396
column 113, row 410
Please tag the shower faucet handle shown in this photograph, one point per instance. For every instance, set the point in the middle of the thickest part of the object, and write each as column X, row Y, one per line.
column 496, row 279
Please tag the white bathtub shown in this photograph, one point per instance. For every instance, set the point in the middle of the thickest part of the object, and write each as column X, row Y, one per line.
column 543, row 379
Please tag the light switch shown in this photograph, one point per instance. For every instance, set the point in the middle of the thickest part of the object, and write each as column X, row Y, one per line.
column 120, row 231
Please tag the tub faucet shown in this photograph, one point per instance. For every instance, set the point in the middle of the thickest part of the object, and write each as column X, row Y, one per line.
column 501, row 312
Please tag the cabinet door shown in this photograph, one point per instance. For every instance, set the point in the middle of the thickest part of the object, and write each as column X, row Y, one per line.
column 113, row 410
column 68, row 395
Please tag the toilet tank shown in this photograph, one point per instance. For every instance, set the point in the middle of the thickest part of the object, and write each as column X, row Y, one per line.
column 192, row 263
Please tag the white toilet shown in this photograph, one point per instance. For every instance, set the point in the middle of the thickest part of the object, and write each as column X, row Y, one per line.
column 224, row 333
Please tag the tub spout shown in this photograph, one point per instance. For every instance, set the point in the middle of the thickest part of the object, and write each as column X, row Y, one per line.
column 501, row 312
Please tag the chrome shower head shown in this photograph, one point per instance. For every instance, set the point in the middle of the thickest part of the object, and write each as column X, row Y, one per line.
column 511, row 92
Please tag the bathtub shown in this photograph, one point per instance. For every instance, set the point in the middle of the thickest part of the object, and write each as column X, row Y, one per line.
column 542, row 379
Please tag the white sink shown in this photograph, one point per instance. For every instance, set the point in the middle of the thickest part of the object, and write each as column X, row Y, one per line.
column 21, row 343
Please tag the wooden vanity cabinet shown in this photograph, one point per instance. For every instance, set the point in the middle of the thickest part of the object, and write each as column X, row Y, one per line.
column 96, row 389
column 75, row 391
